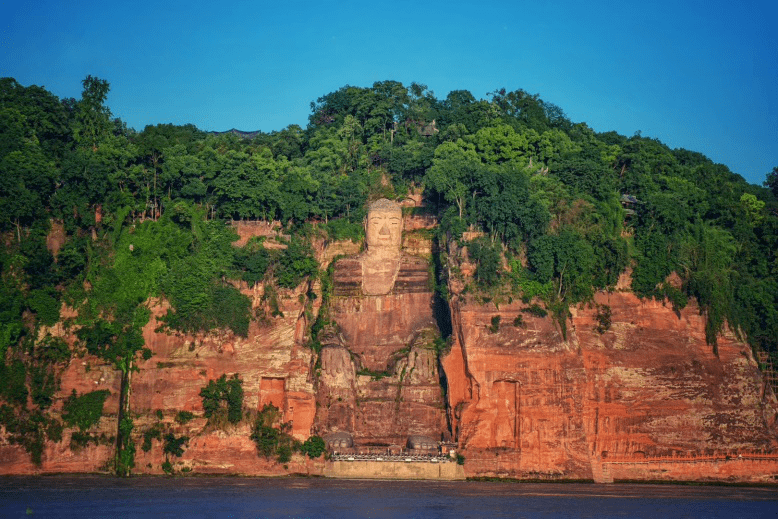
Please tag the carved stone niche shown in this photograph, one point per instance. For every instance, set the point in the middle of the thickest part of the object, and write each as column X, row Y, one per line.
column 339, row 441
column 419, row 443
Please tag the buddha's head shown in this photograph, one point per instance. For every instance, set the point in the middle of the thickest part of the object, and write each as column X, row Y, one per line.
column 384, row 226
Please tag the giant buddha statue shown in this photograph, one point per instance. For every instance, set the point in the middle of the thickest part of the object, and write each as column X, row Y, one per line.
column 383, row 297
column 379, row 379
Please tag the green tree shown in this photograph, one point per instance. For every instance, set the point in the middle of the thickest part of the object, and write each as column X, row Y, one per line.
column 505, row 207
column 453, row 171
column 771, row 182
column 93, row 119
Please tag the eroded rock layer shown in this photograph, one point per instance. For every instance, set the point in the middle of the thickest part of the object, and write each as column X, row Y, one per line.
column 639, row 395
column 530, row 402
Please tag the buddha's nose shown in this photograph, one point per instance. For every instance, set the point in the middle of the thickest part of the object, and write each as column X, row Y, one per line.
column 384, row 231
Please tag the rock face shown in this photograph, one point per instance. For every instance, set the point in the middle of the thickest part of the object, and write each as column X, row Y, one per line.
column 272, row 361
column 631, row 390
column 527, row 402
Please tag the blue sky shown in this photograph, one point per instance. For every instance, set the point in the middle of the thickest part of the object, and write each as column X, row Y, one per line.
column 701, row 75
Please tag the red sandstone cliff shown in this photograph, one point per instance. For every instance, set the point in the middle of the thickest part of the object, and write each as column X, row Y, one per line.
column 523, row 401
column 528, row 403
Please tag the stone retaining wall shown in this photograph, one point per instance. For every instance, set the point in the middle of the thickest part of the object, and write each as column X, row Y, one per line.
column 394, row 470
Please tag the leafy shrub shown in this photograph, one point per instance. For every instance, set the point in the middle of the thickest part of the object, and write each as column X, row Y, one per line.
column 252, row 262
column 44, row 383
column 52, row 350
column 84, row 411
column 71, row 259
column 284, row 452
column 295, row 263
column 313, row 447
column 343, row 229
column 125, row 459
column 154, row 433
column 80, row 440
column 54, row 431
column 495, row 326
column 486, row 256
column 603, row 319
column 39, row 267
column 272, row 436
column 230, row 310
column 45, row 305
column 194, row 284
column 536, row 310
column 28, row 430
column 224, row 393
column 115, row 342
column 12, row 382
column 207, row 307
column 98, row 338
column 174, row 445
column 184, row 417
column 524, row 283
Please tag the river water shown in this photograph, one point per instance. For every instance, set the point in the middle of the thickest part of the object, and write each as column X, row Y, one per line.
column 232, row 497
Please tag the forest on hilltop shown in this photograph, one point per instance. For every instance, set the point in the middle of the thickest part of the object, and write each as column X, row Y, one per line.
column 566, row 208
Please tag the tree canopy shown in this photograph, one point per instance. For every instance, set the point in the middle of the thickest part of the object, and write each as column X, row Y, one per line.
column 144, row 212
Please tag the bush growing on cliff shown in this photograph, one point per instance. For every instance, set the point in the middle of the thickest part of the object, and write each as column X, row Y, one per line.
column 223, row 394
column 174, row 445
column 45, row 305
column 536, row 310
column 272, row 436
column 116, row 342
column 603, row 318
column 154, row 433
column 295, row 263
column 313, row 447
column 84, row 411
column 202, row 303
column 52, row 350
column 12, row 382
column 43, row 382
column 486, row 256
column 183, row 417
column 495, row 326
column 28, row 430
column 252, row 262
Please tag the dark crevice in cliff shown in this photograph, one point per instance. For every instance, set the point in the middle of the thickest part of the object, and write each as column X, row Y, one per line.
column 444, row 393
column 442, row 313
column 440, row 301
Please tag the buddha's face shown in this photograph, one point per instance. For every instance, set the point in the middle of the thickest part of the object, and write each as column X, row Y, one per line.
column 384, row 228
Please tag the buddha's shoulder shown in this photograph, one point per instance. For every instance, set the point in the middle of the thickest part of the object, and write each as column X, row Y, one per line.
column 413, row 275
column 347, row 277
column 413, row 262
